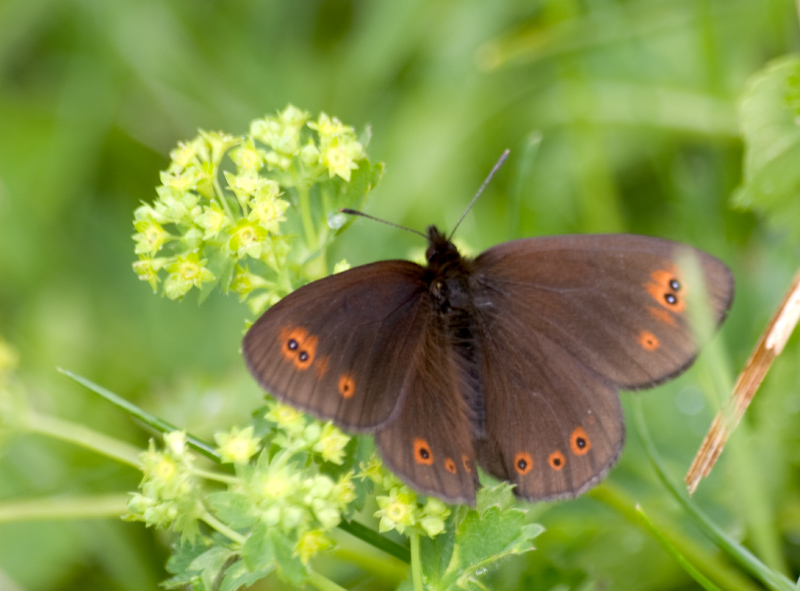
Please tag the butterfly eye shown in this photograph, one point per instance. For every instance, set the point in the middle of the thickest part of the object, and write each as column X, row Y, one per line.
column 450, row 465
column 579, row 442
column 422, row 452
column 523, row 463
column 556, row 460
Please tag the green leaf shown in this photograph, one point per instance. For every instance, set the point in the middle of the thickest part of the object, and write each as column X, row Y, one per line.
column 493, row 530
column 769, row 112
column 210, row 565
column 257, row 551
column 237, row 576
column 235, row 509
column 290, row 568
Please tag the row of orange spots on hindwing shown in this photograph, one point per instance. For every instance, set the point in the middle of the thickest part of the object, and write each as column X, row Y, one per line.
column 423, row 454
column 579, row 443
column 300, row 348
column 664, row 287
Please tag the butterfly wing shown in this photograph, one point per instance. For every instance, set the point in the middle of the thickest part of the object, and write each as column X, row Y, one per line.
column 571, row 319
column 429, row 444
column 338, row 347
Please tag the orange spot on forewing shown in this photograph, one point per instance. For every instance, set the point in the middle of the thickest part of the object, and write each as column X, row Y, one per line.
column 422, row 452
column 661, row 315
column 322, row 366
column 347, row 386
column 306, row 353
column 291, row 340
column 648, row 340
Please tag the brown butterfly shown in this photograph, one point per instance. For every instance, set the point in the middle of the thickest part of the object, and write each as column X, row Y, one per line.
column 511, row 361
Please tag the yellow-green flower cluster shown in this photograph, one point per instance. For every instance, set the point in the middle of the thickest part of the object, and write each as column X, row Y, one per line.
column 223, row 198
column 297, row 433
column 400, row 508
column 169, row 495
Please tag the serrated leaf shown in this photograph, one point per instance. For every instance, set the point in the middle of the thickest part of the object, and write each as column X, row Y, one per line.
column 769, row 112
column 234, row 509
column 290, row 568
column 210, row 564
column 500, row 496
column 437, row 553
column 257, row 551
column 237, row 576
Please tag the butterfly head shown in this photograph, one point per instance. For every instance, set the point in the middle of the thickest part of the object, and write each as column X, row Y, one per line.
column 441, row 252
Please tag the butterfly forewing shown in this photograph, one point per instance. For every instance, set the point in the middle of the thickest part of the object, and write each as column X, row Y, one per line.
column 616, row 302
column 338, row 348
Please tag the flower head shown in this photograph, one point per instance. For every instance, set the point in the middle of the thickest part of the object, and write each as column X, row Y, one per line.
column 186, row 271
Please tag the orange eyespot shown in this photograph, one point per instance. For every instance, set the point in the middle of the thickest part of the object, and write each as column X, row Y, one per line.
column 450, row 465
column 665, row 288
column 523, row 463
column 422, row 452
column 298, row 347
column 292, row 339
column 579, row 442
column 465, row 462
column 556, row 460
column 347, row 386
column 648, row 340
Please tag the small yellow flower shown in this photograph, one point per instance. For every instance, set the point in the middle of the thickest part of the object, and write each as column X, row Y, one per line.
column 267, row 211
column 312, row 543
column 247, row 239
column 288, row 419
column 331, row 444
column 237, row 446
column 341, row 266
column 339, row 161
column 186, row 272
column 329, row 127
column 149, row 237
column 212, row 220
column 397, row 511
column 248, row 158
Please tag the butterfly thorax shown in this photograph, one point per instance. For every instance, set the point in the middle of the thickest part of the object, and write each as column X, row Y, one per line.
column 448, row 280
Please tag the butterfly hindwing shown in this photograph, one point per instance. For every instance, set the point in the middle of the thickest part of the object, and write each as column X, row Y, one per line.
column 429, row 443
column 338, row 347
column 570, row 320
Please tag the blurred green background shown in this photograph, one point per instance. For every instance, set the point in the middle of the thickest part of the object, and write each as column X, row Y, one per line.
column 620, row 116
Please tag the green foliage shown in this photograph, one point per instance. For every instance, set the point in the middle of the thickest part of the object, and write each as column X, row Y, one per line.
column 633, row 109
column 770, row 119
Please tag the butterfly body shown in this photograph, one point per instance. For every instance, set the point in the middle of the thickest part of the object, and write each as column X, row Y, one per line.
column 511, row 360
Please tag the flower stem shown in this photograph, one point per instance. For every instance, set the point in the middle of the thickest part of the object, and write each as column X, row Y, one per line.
column 51, row 508
column 304, row 202
column 322, row 582
column 416, row 561
column 216, row 476
column 85, row 437
column 222, row 528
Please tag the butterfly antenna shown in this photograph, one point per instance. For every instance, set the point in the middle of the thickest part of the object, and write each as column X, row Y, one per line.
column 370, row 217
column 478, row 194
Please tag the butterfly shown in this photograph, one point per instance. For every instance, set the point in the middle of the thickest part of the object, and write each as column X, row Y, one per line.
column 511, row 361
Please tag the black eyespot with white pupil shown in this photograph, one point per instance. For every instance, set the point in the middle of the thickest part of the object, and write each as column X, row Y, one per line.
column 674, row 284
column 424, row 453
column 522, row 464
column 580, row 442
column 670, row 299
column 556, row 461
column 292, row 344
column 303, row 356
